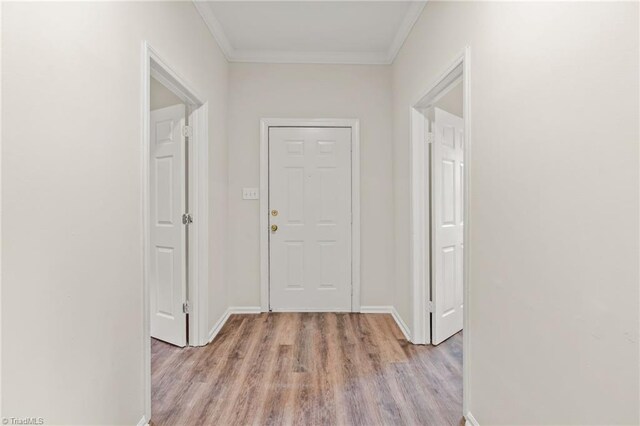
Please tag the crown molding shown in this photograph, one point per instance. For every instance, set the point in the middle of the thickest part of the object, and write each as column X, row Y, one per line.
column 296, row 57
column 289, row 57
column 214, row 27
column 410, row 19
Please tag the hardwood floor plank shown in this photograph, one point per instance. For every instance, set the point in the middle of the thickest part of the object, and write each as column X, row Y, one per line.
column 272, row 408
column 308, row 369
column 246, row 408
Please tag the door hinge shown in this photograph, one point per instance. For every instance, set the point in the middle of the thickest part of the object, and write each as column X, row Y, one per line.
column 429, row 306
column 187, row 219
column 429, row 137
column 186, row 307
column 187, row 131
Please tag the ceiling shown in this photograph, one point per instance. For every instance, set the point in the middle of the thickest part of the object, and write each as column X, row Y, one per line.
column 343, row 32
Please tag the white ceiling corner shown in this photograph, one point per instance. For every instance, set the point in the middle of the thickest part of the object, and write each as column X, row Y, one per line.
column 413, row 13
column 389, row 33
column 214, row 26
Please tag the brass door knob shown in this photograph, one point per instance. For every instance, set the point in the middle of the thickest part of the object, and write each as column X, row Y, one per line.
column 274, row 228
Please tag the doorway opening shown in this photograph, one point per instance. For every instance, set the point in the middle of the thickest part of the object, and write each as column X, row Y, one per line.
column 440, row 152
column 175, row 211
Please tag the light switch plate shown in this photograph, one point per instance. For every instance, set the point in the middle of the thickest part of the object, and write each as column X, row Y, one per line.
column 250, row 193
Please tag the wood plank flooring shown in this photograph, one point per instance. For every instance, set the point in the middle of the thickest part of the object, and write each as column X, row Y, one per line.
column 308, row 369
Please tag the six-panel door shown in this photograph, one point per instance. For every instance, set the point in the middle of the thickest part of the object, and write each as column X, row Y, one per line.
column 167, row 280
column 310, row 204
column 447, row 225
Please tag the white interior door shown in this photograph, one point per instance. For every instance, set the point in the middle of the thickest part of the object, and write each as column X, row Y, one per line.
column 310, row 204
column 447, row 225
column 168, row 235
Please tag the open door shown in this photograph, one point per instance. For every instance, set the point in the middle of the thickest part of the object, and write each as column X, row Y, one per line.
column 167, row 180
column 447, row 225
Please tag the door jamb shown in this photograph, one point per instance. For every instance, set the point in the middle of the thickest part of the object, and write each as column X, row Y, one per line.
column 265, row 124
column 198, row 165
column 460, row 68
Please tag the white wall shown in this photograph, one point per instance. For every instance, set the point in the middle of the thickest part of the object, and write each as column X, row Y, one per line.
column 160, row 96
column 310, row 91
column 452, row 101
column 553, row 203
column 554, row 196
column 71, row 163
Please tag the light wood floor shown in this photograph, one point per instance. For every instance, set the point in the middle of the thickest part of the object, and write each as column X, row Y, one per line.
column 308, row 369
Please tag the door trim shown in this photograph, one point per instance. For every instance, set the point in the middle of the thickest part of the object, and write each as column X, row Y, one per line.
column 198, row 166
column 420, row 218
column 265, row 124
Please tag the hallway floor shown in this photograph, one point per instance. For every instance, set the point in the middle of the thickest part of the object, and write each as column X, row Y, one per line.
column 308, row 369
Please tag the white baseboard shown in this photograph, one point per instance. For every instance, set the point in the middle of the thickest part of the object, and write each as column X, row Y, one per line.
column 401, row 324
column 143, row 422
column 256, row 310
column 223, row 319
column 376, row 309
column 310, row 310
column 245, row 309
column 218, row 326
column 470, row 420
column 388, row 310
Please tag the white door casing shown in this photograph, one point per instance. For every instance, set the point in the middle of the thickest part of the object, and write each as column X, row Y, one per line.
column 168, row 234
column 447, row 225
column 310, row 188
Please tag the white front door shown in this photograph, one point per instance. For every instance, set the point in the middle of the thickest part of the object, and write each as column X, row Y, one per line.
column 168, row 234
column 310, row 204
column 447, row 226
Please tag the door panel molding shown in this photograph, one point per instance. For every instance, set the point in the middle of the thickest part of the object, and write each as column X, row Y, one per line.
column 265, row 124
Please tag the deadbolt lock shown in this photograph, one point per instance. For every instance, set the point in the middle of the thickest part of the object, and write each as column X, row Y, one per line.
column 274, row 228
column 274, row 212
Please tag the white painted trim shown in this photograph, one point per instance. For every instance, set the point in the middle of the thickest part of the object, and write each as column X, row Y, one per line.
column 287, row 57
column 466, row 284
column 143, row 421
column 355, row 216
column 419, row 250
column 214, row 27
column 388, row 309
column 376, row 309
column 154, row 65
column 311, row 122
column 470, row 420
column 218, row 326
column 311, row 310
column 245, row 310
column 401, row 324
column 354, row 124
column 264, row 219
column 410, row 19
column 441, row 85
column 199, row 229
column 225, row 317
column 145, row 211
column 310, row 57
column 1, row 212
column 420, row 193
column 459, row 70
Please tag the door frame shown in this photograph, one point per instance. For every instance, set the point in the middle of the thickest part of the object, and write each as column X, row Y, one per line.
column 198, row 172
column 267, row 123
column 458, row 70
